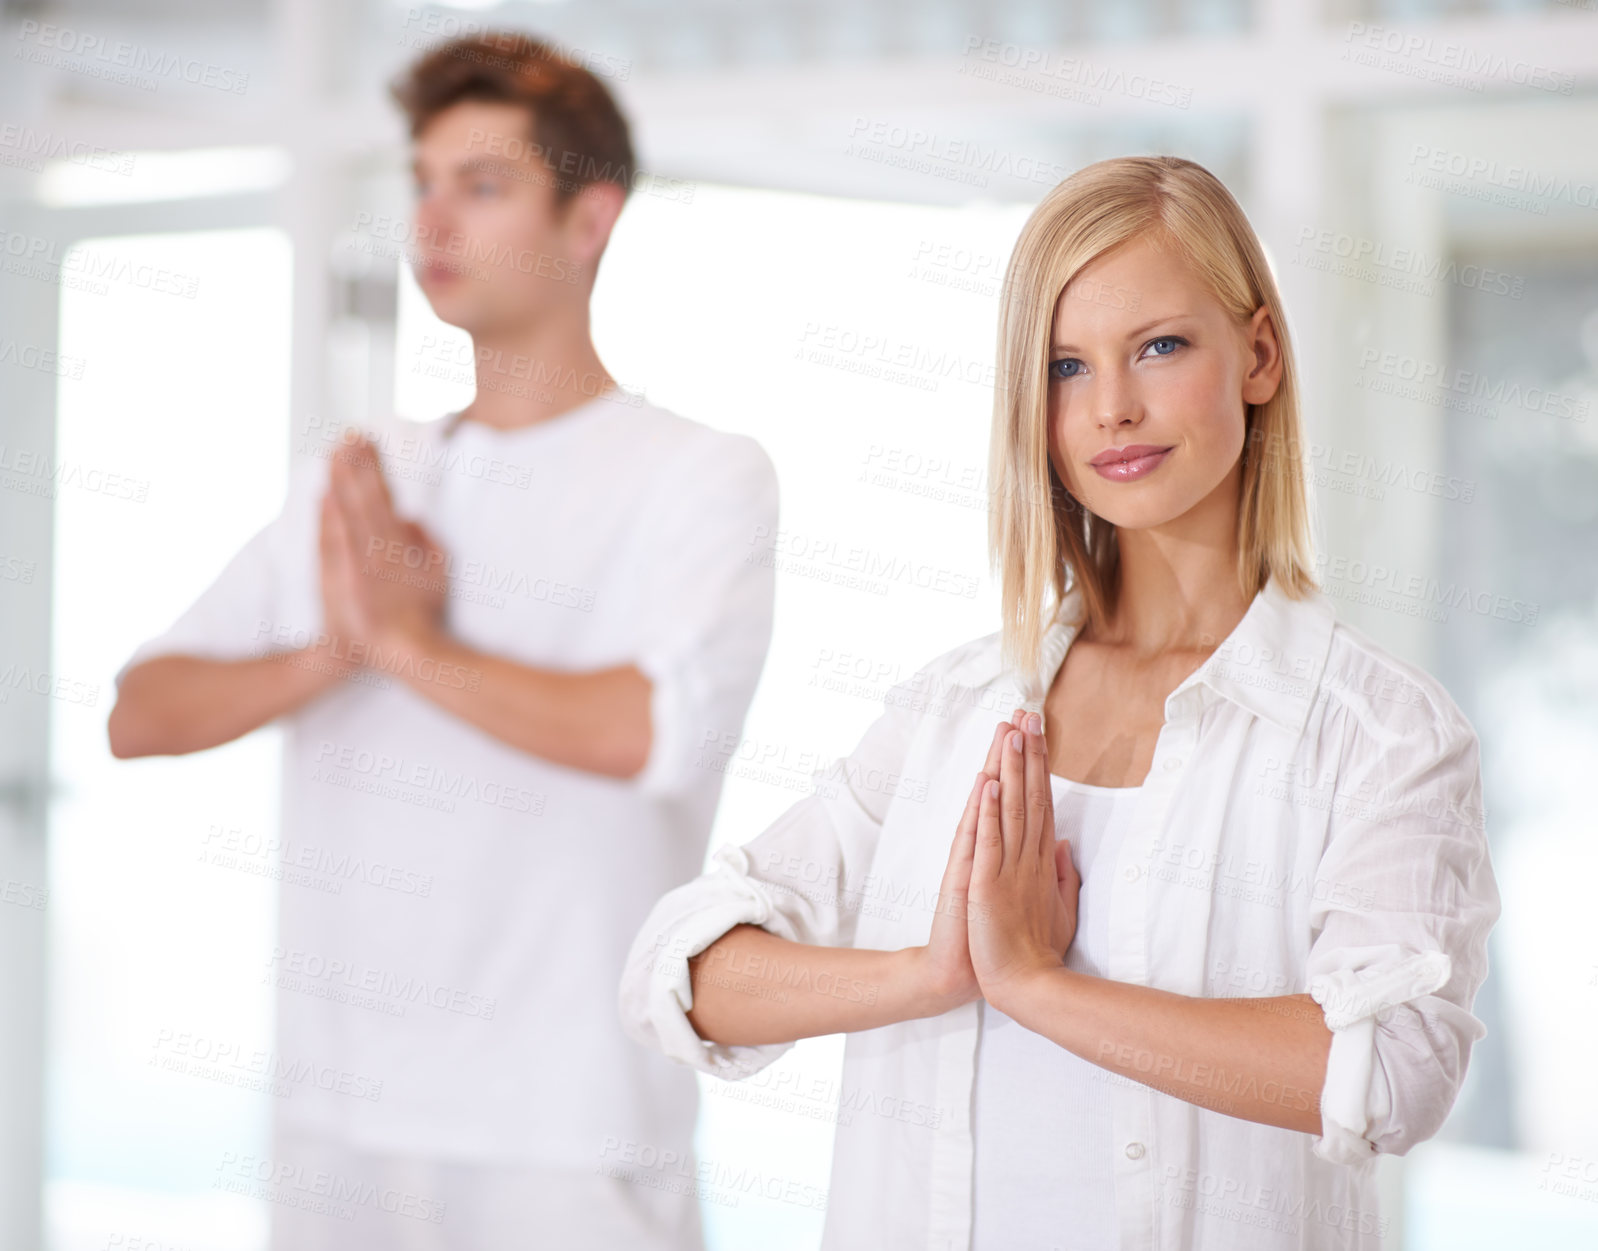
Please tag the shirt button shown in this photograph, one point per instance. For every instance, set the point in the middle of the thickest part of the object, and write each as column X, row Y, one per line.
column 1134, row 1151
column 1132, row 872
column 1173, row 764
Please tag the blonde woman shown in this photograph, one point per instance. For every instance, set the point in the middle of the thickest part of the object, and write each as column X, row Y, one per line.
column 1203, row 935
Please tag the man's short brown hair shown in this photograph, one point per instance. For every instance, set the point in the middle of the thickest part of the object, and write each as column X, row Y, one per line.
column 578, row 135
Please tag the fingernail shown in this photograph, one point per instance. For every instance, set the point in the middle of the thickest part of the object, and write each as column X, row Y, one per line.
column 1015, row 740
column 1034, row 724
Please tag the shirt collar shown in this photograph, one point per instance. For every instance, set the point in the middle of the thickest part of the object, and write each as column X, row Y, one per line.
column 1270, row 664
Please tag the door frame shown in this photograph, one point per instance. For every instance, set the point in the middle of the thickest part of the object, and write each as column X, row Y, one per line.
column 30, row 318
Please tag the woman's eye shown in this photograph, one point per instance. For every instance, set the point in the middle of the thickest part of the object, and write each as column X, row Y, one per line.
column 1070, row 367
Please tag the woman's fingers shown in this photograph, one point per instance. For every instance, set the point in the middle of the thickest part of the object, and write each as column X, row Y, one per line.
column 995, row 746
column 968, row 819
column 990, row 771
column 957, row 876
column 967, row 829
column 1065, row 873
column 965, row 833
column 1012, row 796
column 988, row 858
column 1039, row 794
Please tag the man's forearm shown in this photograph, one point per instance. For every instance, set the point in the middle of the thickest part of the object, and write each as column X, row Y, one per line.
column 1260, row 1060
column 752, row 987
column 172, row 705
column 598, row 721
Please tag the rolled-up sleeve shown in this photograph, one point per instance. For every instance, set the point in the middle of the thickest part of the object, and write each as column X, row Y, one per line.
column 1404, row 898
column 709, row 584
column 800, row 879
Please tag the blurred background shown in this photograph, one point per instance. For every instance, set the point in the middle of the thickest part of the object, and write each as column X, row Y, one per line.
column 202, row 212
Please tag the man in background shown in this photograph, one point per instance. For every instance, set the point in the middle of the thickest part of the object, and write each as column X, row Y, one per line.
column 508, row 649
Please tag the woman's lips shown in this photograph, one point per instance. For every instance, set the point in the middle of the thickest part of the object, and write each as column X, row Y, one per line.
column 1130, row 470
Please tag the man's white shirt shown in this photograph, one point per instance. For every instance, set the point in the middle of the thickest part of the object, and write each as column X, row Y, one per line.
column 1311, row 822
column 454, row 912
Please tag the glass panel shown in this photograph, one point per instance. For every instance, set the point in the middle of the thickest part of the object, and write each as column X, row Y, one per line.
column 172, row 451
column 1522, row 659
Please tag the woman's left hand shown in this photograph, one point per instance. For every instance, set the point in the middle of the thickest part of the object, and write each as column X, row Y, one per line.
column 1024, row 886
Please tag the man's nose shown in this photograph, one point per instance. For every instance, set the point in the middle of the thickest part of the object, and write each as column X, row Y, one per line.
column 434, row 227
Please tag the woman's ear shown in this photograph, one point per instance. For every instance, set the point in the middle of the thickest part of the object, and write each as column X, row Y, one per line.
column 1265, row 355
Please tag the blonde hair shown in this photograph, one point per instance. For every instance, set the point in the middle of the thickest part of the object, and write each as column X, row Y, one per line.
column 1042, row 543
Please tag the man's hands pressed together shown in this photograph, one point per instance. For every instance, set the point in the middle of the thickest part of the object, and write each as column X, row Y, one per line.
column 384, row 590
column 383, row 582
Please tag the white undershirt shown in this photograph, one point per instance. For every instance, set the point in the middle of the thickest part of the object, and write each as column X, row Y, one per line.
column 1041, row 1117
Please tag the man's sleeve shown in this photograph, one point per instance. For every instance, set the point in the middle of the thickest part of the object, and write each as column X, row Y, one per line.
column 707, row 596
column 241, row 615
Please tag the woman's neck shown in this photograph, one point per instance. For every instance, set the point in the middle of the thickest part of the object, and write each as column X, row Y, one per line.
column 1178, row 580
column 1165, row 605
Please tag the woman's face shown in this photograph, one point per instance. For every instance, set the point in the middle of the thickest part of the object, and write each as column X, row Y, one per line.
column 1144, row 357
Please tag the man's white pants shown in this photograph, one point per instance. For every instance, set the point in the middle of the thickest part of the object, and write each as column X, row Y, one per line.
column 401, row 1203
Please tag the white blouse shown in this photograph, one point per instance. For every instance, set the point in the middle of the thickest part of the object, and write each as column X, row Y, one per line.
column 1042, row 1118
column 1311, row 822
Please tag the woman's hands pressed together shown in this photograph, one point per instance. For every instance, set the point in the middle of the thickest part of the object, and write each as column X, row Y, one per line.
column 1008, row 901
column 946, row 971
column 1023, row 886
column 1006, row 916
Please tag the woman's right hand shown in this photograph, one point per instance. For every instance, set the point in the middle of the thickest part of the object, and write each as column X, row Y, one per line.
column 944, row 972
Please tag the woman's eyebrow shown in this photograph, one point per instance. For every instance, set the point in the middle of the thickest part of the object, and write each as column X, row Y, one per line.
column 1130, row 334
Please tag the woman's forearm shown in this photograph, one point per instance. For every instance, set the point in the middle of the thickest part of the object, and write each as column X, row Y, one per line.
column 752, row 987
column 1261, row 1060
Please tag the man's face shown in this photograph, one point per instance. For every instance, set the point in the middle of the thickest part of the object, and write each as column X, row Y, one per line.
column 492, row 249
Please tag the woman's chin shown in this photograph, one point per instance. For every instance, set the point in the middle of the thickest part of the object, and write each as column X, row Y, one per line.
column 1142, row 515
